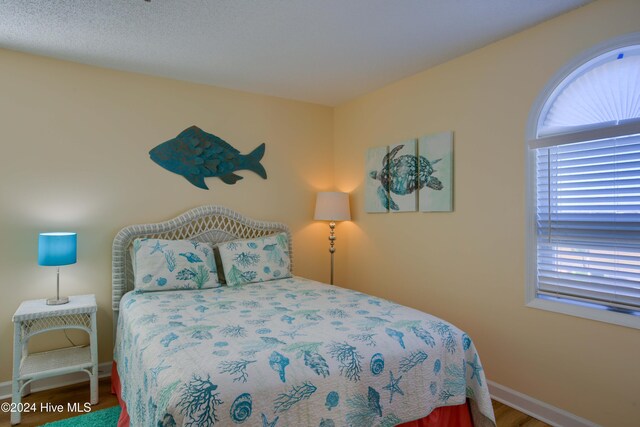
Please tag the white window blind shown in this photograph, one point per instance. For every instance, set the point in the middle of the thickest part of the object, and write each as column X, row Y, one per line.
column 586, row 185
column 588, row 222
column 601, row 95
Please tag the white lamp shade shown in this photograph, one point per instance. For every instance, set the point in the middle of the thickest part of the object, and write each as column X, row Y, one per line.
column 332, row 206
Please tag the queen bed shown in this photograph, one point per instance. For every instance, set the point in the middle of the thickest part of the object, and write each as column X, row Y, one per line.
column 269, row 348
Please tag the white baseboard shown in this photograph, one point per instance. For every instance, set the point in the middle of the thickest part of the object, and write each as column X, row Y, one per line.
column 536, row 408
column 104, row 370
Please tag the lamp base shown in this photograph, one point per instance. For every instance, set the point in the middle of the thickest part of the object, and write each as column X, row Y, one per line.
column 57, row 301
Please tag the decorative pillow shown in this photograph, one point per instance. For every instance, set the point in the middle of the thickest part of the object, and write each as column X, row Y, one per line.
column 161, row 265
column 256, row 260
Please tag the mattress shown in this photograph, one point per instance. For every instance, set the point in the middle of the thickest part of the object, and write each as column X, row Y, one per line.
column 290, row 352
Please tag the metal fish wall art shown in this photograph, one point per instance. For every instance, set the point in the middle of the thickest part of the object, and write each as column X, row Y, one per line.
column 196, row 154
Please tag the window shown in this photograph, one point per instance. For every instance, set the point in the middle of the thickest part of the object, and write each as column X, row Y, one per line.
column 583, row 177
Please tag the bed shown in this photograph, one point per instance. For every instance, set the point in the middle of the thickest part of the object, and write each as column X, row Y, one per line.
column 283, row 352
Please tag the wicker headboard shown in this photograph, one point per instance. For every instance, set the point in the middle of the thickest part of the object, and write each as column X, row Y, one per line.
column 213, row 224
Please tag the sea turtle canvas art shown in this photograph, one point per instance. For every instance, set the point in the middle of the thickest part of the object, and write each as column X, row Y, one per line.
column 399, row 173
column 398, row 176
column 374, row 202
column 438, row 146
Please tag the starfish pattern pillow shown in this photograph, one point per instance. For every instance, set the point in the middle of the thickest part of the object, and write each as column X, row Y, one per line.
column 161, row 265
column 255, row 260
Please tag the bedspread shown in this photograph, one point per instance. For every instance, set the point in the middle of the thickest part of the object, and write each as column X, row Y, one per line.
column 291, row 352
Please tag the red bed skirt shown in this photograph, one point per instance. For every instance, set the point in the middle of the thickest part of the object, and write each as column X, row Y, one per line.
column 446, row 416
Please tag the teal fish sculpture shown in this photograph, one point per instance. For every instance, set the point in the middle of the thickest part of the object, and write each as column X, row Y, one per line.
column 196, row 154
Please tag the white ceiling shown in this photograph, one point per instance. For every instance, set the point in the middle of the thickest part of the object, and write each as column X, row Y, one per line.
column 321, row 51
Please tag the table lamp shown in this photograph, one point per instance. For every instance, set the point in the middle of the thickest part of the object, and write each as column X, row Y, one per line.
column 332, row 206
column 56, row 249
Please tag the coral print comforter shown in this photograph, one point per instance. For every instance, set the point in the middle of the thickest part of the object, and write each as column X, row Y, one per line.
column 290, row 352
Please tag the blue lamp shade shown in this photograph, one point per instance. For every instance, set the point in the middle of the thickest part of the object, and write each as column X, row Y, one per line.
column 56, row 249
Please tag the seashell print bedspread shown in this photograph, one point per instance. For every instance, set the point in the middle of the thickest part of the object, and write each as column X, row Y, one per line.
column 290, row 352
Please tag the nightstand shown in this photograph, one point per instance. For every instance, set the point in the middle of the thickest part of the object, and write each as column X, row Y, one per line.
column 36, row 317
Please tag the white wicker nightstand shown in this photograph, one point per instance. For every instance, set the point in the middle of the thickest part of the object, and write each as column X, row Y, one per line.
column 35, row 317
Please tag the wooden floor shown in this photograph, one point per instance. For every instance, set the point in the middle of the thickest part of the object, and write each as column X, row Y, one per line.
column 509, row 417
column 79, row 393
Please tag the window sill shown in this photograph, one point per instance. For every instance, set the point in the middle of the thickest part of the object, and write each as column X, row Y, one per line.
column 600, row 315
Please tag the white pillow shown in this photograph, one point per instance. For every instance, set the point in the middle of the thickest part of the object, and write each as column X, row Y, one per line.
column 255, row 260
column 161, row 265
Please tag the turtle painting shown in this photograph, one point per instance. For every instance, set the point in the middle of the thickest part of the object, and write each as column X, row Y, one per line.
column 437, row 146
column 403, row 175
column 373, row 161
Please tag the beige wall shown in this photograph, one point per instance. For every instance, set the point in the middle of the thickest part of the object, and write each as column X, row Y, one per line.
column 75, row 142
column 469, row 266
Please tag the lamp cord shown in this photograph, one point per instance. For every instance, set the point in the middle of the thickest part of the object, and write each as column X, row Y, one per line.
column 70, row 341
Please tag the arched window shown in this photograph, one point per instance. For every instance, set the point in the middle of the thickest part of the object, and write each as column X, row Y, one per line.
column 583, row 177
